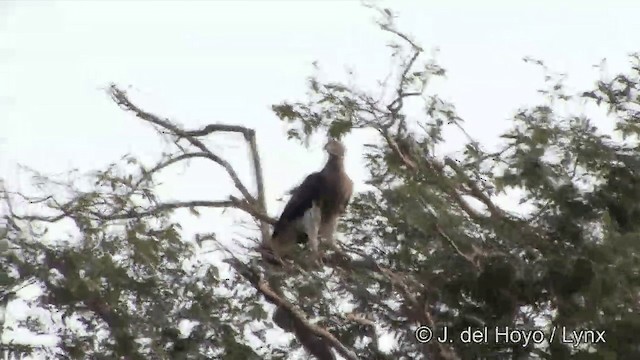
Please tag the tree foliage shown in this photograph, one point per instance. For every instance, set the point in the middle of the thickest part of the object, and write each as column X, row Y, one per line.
column 429, row 244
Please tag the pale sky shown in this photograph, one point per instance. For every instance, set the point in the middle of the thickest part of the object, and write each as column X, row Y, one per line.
column 201, row 62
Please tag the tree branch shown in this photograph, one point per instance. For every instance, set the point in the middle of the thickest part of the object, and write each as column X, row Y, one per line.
column 475, row 190
column 211, row 128
column 250, row 209
column 169, row 162
column 250, row 137
column 95, row 303
column 233, row 202
column 120, row 97
column 400, row 282
column 293, row 312
column 442, row 351
column 257, row 169
column 370, row 327
column 164, row 207
column 455, row 247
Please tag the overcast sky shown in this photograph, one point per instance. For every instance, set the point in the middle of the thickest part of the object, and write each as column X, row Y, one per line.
column 200, row 62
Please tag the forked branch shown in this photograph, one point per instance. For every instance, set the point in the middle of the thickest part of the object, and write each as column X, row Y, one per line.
column 255, row 206
column 120, row 97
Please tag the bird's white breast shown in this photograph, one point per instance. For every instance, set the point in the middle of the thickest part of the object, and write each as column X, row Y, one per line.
column 310, row 221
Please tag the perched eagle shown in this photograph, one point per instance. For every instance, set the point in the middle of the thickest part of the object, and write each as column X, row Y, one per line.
column 313, row 210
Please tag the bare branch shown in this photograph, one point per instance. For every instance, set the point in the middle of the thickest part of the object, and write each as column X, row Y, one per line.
column 257, row 169
column 231, row 203
column 250, row 137
column 170, row 162
column 211, row 128
column 250, row 209
column 165, row 207
column 120, row 98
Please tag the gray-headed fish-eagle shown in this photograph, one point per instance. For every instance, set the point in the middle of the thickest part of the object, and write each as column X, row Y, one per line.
column 311, row 214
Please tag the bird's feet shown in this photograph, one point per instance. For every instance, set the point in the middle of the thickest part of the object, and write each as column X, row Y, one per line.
column 271, row 257
column 318, row 260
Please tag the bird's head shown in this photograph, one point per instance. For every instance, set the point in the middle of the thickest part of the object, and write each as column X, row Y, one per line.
column 335, row 148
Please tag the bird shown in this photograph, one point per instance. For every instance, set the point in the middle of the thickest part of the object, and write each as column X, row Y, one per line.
column 311, row 215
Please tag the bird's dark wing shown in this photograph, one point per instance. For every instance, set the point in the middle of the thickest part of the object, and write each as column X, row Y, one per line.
column 301, row 200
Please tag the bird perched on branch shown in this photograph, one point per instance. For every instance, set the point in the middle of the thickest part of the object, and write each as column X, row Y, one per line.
column 312, row 213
